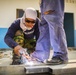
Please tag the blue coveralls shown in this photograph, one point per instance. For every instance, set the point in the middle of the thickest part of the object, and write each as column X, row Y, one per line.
column 52, row 33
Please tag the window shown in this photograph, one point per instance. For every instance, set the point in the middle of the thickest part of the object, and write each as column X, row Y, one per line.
column 19, row 13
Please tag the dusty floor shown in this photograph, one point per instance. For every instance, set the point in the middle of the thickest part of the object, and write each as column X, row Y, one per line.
column 6, row 56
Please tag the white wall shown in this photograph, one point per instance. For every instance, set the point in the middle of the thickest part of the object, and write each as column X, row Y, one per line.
column 8, row 10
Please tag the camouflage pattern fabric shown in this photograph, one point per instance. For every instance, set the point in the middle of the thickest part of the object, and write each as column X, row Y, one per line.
column 19, row 38
column 25, row 43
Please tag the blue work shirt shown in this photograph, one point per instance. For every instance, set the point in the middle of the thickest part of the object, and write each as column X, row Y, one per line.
column 16, row 26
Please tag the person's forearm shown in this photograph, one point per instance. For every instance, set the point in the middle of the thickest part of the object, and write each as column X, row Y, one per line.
column 16, row 49
column 10, row 42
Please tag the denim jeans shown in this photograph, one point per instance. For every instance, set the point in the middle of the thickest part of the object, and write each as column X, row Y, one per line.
column 52, row 33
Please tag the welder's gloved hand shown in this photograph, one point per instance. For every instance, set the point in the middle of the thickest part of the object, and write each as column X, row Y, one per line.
column 16, row 50
column 20, row 55
column 24, row 56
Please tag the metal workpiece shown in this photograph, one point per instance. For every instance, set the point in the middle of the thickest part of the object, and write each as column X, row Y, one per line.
column 64, row 69
column 24, row 70
column 37, row 69
column 12, row 70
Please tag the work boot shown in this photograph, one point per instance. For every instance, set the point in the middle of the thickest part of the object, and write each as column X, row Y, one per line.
column 56, row 61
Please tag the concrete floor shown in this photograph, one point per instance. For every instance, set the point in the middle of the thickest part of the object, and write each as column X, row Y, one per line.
column 71, row 54
column 40, row 69
column 7, row 58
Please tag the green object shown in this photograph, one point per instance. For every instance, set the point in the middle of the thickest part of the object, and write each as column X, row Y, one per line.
column 25, row 43
column 30, row 45
column 20, row 40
